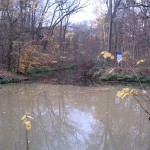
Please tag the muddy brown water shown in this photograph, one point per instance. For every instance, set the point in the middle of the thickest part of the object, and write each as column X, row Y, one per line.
column 68, row 117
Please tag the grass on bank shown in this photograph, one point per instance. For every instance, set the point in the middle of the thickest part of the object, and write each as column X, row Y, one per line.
column 48, row 70
column 123, row 78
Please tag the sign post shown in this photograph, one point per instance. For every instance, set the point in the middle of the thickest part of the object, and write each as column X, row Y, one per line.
column 118, row 56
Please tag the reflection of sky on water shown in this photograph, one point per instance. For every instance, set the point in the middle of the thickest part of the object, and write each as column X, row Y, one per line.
column 71, row 118
column 83, row 120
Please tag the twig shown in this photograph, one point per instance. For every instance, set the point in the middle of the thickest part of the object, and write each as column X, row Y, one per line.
column 141, row 105
column 27, row 142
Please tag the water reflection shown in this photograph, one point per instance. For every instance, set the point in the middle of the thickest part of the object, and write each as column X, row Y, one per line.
column 71, row 118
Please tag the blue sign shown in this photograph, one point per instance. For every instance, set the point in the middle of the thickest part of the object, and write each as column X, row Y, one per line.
column 118, row 56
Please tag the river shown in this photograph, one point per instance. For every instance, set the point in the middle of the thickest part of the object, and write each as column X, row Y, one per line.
column 68, row 117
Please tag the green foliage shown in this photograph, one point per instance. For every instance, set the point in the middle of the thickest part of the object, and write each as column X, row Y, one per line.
column 15, row 80
column 45, row 70
column 99, row 73
column 93, row 71
column 113, row 76
column 140, row 76
column 130, row 78
column 69, row 67
column 143, row 79
column 106, row 64
column 4, row 81
column 121, row 77
column 104, row 78
column 124, row 77
column 11, row 80
column 32, row 70
column 146, row 80
column 37, row 70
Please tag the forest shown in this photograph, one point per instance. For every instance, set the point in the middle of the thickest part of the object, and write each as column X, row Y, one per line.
column 39, row 33
column 74, row 85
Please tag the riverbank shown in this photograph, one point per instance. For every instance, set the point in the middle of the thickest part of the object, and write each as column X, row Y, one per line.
column 75, row 76
column 115, row 75
column 10, row 77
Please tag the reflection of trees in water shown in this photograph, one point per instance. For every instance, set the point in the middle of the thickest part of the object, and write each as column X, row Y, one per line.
column 52, row 129
column 58, row 131
column 119, row 126
column 11, row 129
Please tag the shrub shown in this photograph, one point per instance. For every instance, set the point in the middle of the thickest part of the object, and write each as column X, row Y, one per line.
column 32, row 70
column 15, row 80
column 46, row 69
column 103, row 78
column 69, row 67
column 121, row 77
column 4, row 81
column 113, row 76
column 130, row 78
column 146, row 79
column 106, row 64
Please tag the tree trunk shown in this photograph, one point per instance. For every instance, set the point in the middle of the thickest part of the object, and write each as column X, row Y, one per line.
column 9, row 55
column 110, row 26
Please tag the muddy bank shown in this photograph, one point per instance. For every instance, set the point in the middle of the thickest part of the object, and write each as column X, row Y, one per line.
column 76, row 76
column 72, row 77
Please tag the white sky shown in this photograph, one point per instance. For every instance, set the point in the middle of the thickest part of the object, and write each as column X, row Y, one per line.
column 85, row 14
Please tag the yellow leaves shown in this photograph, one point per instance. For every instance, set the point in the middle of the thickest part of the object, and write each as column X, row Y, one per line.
column 141, row 61
column 33, row 56
column 28, row 58
column 119, row 94
column 123, row 93
column 25, row 119
column 127, row 92
column 107, row 55
column 112, row 57
column 28, row 125
column 127, row 56
column 29, row 117
column 102, row 53
column 134, row 92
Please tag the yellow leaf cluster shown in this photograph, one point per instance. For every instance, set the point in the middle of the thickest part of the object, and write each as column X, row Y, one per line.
column 32, row 57
column 28, row 125
column 141, row 61
column 134, row 92
column 107, row 55
column 25, row 119
column 126, row 92
column 28, row 58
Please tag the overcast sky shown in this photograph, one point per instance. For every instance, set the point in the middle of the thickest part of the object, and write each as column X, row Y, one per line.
column 85, row 14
